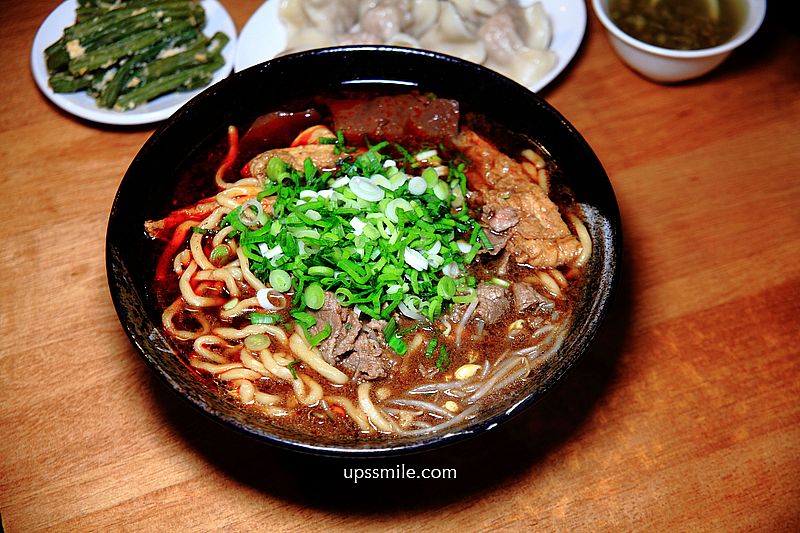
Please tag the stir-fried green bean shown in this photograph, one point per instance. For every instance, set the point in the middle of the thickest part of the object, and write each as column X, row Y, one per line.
column 127, row 52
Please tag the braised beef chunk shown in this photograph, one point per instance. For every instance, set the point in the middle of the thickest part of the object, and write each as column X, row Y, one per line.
column 323, row 156
column 499, row 219
column 525, row 296
column 355, row 346
column 493, row 302
column 403, row 118
column 498, row 241
column 276, row 129
column 540, row 238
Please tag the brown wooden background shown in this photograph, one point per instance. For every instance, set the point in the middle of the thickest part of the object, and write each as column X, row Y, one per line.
column 684, row 415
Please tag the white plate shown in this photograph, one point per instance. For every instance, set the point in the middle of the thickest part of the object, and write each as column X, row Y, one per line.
column 84, row 106
column 264, row 36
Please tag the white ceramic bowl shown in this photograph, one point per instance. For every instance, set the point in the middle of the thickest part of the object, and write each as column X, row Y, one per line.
column 666, row 65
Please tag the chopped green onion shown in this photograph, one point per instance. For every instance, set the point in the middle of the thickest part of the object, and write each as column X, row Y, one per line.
column 291, row 366
column 444, row 359
column 219, row 254
column 322, row 271
column 304, row 319
column 446, row 288
column 230, row 304
column 280, row 280
column 321, row 336
column 203, row 231
column 500, row 282
column 314, row 296
column 430, row 176
column 276, row 167
column 431, row 347
column 398, row 345
column 265, row 318
column 257, row 342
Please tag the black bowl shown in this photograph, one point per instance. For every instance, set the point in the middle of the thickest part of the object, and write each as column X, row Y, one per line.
column 149, row 186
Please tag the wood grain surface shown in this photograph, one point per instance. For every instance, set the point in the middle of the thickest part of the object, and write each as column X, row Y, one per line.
column 683, row 416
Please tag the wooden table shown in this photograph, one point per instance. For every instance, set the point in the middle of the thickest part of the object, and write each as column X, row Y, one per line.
column 684, row 415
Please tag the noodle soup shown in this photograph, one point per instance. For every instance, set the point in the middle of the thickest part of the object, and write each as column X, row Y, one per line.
column 372, row 266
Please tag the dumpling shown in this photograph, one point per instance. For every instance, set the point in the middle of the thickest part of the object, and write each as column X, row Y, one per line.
column 450, row 35
column 386, row 19
column 403, row 39
column 533, row 26
column 335, row 17
column 423, row 15
column 528, row 66
column 509, row 53
column 308, row 38
column 477, row 10
column 500, row 37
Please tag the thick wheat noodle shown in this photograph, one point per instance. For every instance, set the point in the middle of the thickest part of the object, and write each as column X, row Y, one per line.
column 169, row 325
column 196, row 240
column 252, row 329
column 213, row 368
column 246, row 390
column 235, row 271
column 558, row 277
column 239, row 373
column 220, row 274
column 313, row 358
column 353, row 411
column 222, row 234
column 273, row 411
column 533, row 157
column 262, row 398
column 200, row 349
column 227, row 198
column 377, row 418
column 274, row 368
column 314, row 393
column 188, row 293
column 549, row 283
column 181, row 261
column 584, row 238
column 252, row 363
column 249, row 277
column 544, row 180
column 239, row 309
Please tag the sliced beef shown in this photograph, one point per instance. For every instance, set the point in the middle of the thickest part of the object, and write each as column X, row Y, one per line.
column 400, row 118
column 493, row 302
column 540, row 238
column 353, row 345
column 345, row 327
column 368, row 360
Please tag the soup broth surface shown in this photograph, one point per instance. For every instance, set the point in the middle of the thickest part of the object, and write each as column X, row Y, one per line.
column 679, row 24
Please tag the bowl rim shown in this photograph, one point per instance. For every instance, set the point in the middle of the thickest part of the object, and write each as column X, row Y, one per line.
column 609, row 272
column 756, row 12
